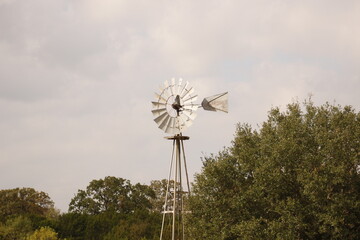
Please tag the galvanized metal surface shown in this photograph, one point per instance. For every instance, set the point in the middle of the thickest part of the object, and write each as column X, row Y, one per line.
column 174, row 108
column 218, row 102
column 174, row 200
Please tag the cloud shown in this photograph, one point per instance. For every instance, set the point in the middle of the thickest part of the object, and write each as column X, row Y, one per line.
column 77, row 78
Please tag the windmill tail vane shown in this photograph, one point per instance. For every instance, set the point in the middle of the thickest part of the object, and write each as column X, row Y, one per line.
column 218, row 102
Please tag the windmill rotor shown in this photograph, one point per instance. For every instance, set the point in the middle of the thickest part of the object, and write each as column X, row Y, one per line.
column 174, row 108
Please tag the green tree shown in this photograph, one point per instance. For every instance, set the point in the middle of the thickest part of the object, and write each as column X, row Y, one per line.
column 106, row 205
column 15, row 228
column 160, row 187
column 112, row 194
column 99, row 225
column 44, row 233
column 24, row 201
column 72, row 225
column 140, row 225
column 297, row 177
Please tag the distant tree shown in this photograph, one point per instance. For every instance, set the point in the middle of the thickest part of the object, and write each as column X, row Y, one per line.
column 73, row 225
column 44, row 233
column 140, row 225
column 100, row 224
column 112, row 194
column 24, row 201
column 297, row 177
column 107, row 206
column 160, row 187
column 15, row 228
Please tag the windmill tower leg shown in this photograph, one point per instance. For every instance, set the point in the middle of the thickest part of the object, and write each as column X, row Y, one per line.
column 174, row 204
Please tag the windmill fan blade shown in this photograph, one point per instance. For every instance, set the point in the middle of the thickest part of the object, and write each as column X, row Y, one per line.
column 168, row 92
column 160, row 98
column 160, row 118
column 180, row 121
column 187, row 93
column 159, row 111
column 158, row 104
column 164, row 124
column 180, row 81
column 217, row 102
column 184, row 89
column 165, row 93
column 161, row 89
column 178, row 87
column 172, row 86
column 190, row 99
column 170, row 126
column 186, row 122
column 190, row 114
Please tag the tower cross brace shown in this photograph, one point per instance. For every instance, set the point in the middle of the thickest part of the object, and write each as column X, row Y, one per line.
column 174, row 198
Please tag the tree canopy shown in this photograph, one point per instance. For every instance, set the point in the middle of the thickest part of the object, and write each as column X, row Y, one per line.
column 44, row 233
column 112, row 194
column 23, row 211
column 297, row 177
column 111, row 208
column 19, row 201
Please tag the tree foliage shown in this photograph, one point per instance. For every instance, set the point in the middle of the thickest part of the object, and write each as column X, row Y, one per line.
column 160, row 188
column 15, row 228
column 44, row 233
column 21, row 201
column 297, row 177
column 112, row 194
column 110, row 208
column 140, row 225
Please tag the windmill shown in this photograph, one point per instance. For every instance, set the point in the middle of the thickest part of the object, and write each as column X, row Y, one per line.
column 174, row 111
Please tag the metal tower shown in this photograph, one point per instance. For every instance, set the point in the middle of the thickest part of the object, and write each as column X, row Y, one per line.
column 174, row 110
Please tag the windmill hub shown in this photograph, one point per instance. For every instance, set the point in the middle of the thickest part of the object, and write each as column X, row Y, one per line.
column 176, row 105
column 174, row 108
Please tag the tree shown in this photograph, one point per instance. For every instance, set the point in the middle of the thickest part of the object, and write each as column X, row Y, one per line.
column 44, row 233
column 112, row 194
column 73, row 225
column 15, row 228
column 24, row 201
column 140, row 225
column 160, row 188
column 107, row 208
column 297, row 177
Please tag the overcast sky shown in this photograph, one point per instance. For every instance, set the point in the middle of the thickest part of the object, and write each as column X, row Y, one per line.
column 77, row 79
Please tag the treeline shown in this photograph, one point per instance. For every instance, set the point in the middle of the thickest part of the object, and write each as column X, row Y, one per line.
column 109, row 208
column 296, row 177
